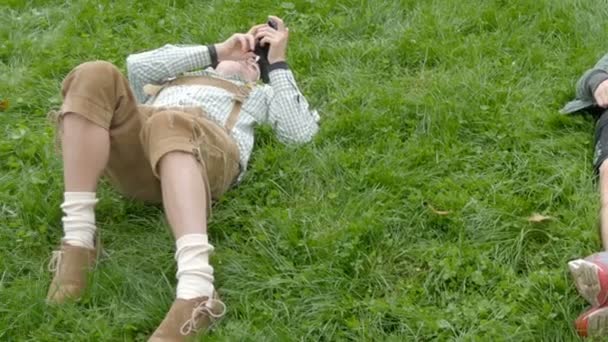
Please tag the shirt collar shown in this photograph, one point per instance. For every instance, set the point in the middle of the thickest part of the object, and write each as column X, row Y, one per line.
column 211, row 72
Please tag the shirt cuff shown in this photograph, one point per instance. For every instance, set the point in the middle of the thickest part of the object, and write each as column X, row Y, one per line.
column 195, row 57
column 277, row 66
column 213, row 55
column 595, row 79
column 281, row 79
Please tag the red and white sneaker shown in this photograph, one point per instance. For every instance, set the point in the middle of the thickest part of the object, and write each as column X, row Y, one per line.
column 593, row 323
column 591, row 278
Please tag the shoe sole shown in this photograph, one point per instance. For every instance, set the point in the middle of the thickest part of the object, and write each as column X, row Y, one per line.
column 597, row 324
column 587, row 280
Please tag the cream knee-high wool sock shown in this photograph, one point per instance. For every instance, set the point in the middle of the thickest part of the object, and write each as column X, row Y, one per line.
column 194, row 274
column 79, row 220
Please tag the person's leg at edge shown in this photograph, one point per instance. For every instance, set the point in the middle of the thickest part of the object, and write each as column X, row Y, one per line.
column 603, row 178
column 590, row 274
column 185, row 203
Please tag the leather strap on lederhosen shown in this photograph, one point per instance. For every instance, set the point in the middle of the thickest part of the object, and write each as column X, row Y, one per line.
column 240, row 93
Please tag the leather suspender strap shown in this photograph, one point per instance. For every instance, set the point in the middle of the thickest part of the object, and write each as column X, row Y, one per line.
column 233, row 117
column 239, row 93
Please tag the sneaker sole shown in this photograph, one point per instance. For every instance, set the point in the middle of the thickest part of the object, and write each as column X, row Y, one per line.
column 597, row 324
column 586, row 278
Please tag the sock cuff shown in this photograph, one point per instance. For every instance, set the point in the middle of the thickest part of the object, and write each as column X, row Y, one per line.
column 192, row 240
column 205, row 271
column 79, row 196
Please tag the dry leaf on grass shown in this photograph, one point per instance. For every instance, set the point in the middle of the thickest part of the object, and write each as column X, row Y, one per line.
column 538, row 218
column 3, row 105
column 438, row 212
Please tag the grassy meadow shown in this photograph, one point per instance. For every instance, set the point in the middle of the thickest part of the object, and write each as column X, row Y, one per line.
column 406, row 219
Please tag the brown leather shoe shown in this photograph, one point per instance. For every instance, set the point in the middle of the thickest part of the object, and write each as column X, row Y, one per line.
column 71, row 265
column 188, row 318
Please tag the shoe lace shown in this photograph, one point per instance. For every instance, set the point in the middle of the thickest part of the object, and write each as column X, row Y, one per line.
column 201, row 309
column 55, row 260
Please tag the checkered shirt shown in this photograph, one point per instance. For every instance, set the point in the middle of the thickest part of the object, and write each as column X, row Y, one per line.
column 280, row 104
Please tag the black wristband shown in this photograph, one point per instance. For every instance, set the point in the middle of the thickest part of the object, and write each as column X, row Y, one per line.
column 278, row 65
column 213, row 55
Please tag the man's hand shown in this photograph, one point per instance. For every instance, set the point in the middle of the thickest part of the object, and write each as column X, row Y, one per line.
column 601, row 94
column 236, row 48
column 276, row 38
column 254, row 29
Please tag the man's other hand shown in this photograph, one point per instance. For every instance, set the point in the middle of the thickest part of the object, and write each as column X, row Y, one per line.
column 276, row 38
column 236, row 48
column 601, row 94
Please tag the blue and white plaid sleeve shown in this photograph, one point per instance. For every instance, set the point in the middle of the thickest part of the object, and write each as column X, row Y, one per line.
column 289, row 113
column 159, row 65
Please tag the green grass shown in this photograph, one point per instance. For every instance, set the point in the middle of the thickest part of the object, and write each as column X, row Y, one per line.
column 449, row 104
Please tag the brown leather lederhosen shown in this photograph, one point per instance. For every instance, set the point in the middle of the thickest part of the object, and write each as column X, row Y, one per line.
column 140, row 135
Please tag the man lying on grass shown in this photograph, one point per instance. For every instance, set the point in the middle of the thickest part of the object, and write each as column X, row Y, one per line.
column 176, row 134
column 591, row 274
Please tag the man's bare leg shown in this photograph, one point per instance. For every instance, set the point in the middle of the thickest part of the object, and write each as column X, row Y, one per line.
column 185, row 203
column 85, row 150
column 184, row 194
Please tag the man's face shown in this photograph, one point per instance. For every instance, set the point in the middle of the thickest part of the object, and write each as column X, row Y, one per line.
column 247, row 70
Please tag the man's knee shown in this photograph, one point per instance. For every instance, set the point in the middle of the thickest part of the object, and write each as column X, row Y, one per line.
column 98, row 74
column 177, row 158
column 74, row 123
column 97, row 67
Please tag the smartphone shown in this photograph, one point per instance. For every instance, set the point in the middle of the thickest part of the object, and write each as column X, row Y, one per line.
column 262, row 52
column 273, row 24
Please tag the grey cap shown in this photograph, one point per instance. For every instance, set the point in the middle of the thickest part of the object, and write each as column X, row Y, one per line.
column 575, row 106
